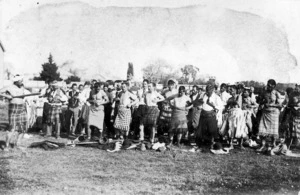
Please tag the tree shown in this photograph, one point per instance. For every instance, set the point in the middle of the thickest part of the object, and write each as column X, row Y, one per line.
column 49, row 72
column 189, row 73
column 159, row 71
column 72, row 78
column 130, row 72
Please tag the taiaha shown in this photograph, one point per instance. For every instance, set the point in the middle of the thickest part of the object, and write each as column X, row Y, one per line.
column 19, row 96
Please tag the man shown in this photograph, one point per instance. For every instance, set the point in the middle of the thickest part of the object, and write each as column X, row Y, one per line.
column 126, row 100
column 166, row 110
column 73, row 109
column 55, row 99
column 108, row 110
column 142, row 107
column 84, row 106
column 208, row 128
column 17, row 111
column 151, row 111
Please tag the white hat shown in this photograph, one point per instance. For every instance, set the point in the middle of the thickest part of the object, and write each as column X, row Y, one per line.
column 17, row 77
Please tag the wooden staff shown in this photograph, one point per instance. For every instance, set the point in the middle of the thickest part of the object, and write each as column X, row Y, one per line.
column 19, row 96
column 26, row 95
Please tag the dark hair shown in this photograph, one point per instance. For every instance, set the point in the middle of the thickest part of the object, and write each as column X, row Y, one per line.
column 81, row 85
column 98, row 84
column 171, row 82
column 181, row 88
column 196, row 87
column 223, row 85
column 240, row 86
column 272, row 82
column 146, row 80
column 126, row 83
column 74, row 84
column 233, row 87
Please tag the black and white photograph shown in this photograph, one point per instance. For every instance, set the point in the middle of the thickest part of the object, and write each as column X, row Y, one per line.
column 149, row 97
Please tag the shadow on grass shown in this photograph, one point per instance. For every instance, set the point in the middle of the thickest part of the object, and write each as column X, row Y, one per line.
column 6, row 183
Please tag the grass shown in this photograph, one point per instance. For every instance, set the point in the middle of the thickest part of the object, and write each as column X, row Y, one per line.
column 87, row 170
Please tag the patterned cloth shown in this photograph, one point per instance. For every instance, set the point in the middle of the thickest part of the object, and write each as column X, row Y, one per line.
column 178, row 122
column 54, row 114
column 123, row 119
column 166, row 113
column 17, row 117
column 296, row 128
column 269, row 122
column 151, row 115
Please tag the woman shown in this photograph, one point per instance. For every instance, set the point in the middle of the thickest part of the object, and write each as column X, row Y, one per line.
column 269, row 122
column 248, row 106
column 98, row 99
column 235, row 120
column 180, row 106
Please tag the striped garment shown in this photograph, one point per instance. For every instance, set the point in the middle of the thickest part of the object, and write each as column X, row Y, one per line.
column 269, row 122
column 151, row 115
column 53, row 115
column 123, row 119
column 166, row 113
column 17, row 117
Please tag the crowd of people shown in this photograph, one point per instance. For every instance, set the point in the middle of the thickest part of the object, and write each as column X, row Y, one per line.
column 230, row 114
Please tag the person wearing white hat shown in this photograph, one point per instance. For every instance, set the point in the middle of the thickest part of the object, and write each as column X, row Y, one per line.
column 17, row 110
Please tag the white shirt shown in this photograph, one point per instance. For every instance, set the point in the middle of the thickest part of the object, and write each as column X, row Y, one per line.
column 181, row 102
column 214, row 99
column 225, row 97
column 84, row 94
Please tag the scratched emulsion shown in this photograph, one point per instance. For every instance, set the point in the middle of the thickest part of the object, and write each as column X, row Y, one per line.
column 228, row 44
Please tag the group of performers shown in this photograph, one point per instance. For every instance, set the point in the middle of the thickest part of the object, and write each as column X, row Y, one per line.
column 209, row 115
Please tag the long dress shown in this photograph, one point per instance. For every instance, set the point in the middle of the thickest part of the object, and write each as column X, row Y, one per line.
column 269, row 122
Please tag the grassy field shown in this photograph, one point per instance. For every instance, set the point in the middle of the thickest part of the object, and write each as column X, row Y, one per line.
column 87, row 170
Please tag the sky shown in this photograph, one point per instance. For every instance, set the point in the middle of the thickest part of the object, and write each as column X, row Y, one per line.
column 283, row 13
